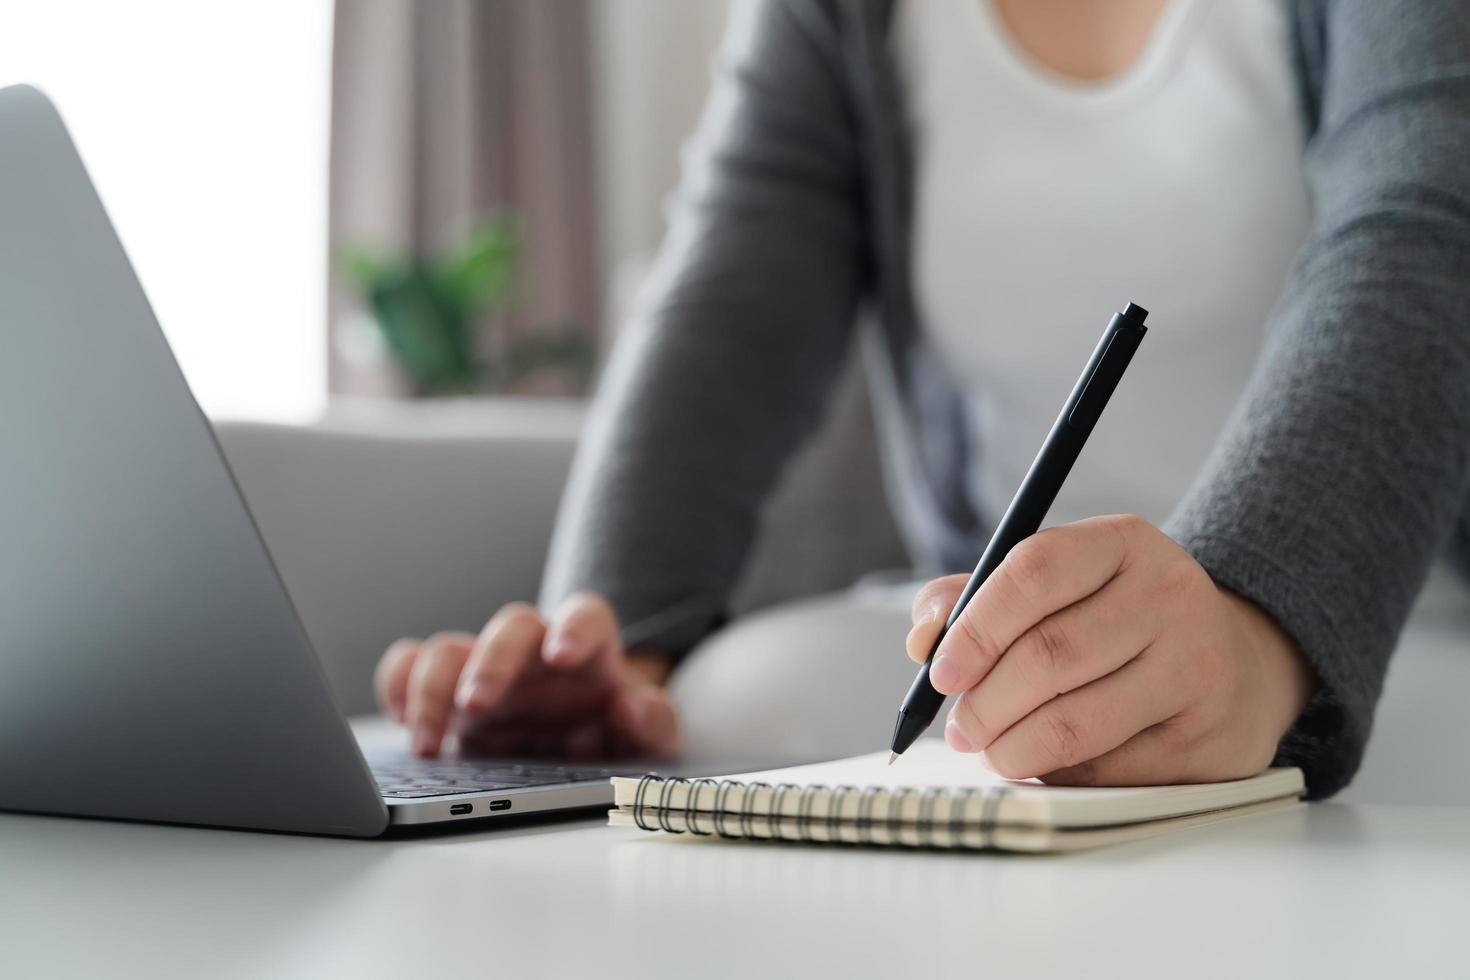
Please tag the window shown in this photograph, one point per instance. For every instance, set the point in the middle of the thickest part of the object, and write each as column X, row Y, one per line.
column 205, row 127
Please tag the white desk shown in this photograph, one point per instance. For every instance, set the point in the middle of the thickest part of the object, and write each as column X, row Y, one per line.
column 1335, row 890
column 1328, row 890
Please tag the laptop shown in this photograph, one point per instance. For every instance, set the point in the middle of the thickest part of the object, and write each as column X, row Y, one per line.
column 152, row 665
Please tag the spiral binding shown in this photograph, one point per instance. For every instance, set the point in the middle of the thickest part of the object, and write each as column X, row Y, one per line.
column 928, row 830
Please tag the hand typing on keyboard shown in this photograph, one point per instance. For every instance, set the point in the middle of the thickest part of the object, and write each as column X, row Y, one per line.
column 528, row 687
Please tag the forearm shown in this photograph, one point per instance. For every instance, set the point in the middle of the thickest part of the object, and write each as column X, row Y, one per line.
column 1342, row 475
column 727, row 364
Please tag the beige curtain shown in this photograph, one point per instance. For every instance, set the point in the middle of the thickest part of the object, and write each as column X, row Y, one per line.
column 445, row 112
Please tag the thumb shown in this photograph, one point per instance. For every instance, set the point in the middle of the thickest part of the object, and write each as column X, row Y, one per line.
column 644, row 715
column 930, row 610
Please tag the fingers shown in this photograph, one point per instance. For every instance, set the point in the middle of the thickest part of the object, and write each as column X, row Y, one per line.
column 390, row 680
column 583, row 627
column 930, row 611
column 1102, row 653
column 526, row 687
column 510, row 640
column 431, row 684
column 638, row 719
column 644, row 715
column 1156, row 756
column 1084, row 724
column 1064, row 651
column 1046, row 572
column 1188, row 747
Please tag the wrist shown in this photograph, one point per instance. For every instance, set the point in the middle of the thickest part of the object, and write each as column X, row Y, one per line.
column 1289, row 678
column 650, row 665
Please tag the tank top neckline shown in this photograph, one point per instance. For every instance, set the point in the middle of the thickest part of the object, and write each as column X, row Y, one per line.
column 1160, row 53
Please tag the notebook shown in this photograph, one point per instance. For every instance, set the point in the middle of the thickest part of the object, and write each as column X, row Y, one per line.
column 934, row 797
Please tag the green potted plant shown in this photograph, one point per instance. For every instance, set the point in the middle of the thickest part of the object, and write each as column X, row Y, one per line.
column 431, row 311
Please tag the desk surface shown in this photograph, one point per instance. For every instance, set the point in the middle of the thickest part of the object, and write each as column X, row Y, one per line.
column 1331, row 889
column 1335, row 890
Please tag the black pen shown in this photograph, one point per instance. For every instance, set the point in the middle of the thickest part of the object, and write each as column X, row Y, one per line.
column 1028, row 508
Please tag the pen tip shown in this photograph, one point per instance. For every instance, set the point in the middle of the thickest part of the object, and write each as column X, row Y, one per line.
column 892, row 758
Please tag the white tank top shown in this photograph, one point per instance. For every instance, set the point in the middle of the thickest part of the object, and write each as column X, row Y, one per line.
column 1043, row 205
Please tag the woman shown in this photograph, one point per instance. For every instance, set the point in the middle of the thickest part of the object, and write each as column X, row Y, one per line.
column 1283, row 184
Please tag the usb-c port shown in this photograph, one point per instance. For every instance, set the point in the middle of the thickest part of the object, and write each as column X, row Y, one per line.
column 458, row 809
column 500, row 804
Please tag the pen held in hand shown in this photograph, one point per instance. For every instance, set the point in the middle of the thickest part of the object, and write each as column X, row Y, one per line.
column 1028, row 508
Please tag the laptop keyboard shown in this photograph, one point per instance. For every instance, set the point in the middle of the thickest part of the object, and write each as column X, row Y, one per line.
column 409, row 780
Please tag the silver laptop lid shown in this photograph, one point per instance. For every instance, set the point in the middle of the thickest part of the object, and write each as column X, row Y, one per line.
column 151, row 664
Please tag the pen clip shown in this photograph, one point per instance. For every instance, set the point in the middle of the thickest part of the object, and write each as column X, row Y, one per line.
column 1092, row 391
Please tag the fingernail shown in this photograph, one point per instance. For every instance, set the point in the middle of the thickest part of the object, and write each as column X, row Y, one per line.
column 956, row 738
column 559, row 645
column 929, row 613
column 477, row 694
column 944, row 674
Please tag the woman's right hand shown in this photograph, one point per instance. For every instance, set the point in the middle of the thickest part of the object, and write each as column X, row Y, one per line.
column 529, row 687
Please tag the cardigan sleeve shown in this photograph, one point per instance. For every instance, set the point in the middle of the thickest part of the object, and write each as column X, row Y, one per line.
column 1347, row 462
column 739, row 335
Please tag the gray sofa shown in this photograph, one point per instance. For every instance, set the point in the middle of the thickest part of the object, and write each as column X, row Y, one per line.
column 403, row 521
column 390, row 519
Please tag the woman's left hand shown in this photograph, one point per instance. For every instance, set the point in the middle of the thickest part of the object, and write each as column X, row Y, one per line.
column 1102, row 653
